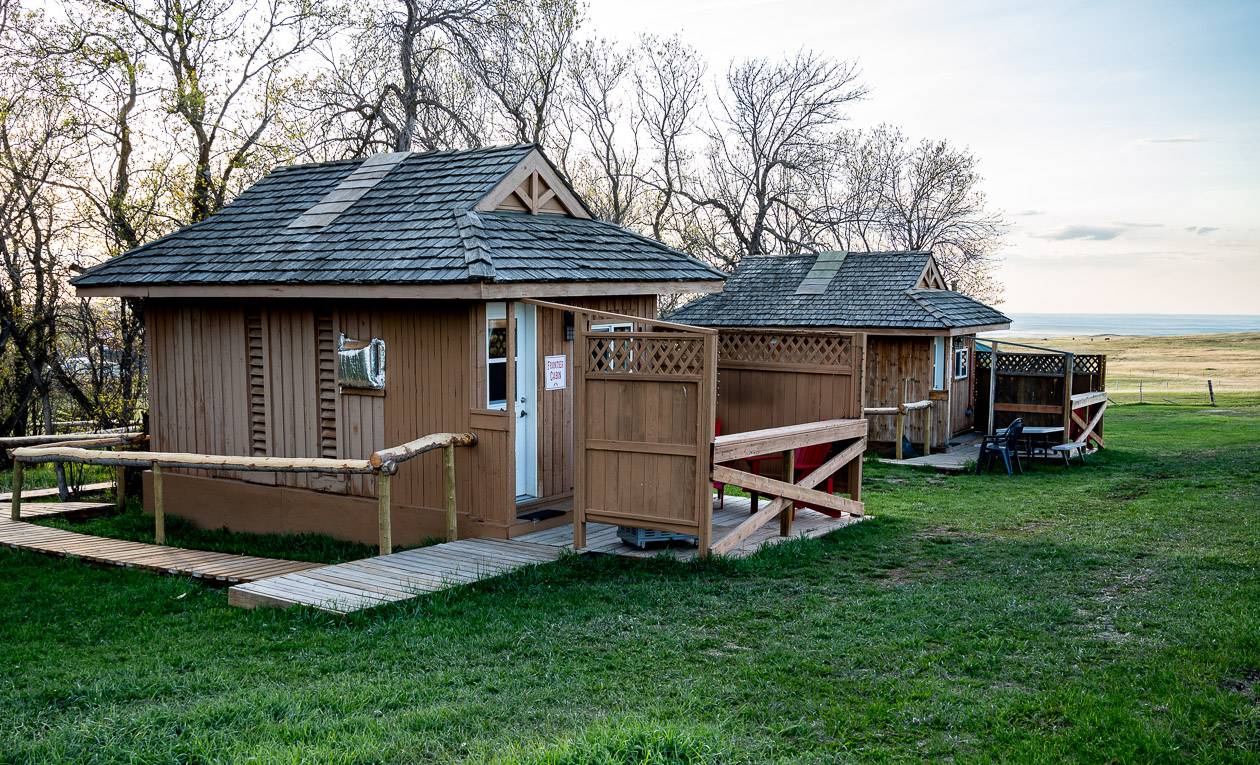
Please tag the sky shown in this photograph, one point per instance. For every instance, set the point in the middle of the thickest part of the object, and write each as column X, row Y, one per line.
column 1120, row 139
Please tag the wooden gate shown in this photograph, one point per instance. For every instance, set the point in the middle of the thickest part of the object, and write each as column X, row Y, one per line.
column 643, row 421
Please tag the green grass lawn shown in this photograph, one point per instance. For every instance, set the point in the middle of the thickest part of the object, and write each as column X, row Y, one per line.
column 1104, row 614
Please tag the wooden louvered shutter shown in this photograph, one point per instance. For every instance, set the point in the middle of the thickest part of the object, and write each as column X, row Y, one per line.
column 257, row 342
column 326, row 352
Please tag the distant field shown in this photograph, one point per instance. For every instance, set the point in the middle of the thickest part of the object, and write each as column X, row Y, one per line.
column 1170, row 368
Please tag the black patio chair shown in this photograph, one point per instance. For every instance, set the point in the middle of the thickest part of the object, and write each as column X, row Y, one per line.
column 1004, row 444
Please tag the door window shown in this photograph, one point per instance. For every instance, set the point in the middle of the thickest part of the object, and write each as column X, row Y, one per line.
column 496, row 355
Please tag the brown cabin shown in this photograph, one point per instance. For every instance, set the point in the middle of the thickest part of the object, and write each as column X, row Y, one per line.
column 919, row 336
column 339, row 308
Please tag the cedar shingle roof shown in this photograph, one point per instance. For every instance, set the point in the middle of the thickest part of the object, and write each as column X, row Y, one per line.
column 416, row 225
column 870, row 289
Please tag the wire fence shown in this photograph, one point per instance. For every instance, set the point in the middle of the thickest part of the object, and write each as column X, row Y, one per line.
column 1191, row 390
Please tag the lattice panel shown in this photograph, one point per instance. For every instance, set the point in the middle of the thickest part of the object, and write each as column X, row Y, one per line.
column 623, row 353
column 785, row 348
column 1031, row 364
column 1089, row 365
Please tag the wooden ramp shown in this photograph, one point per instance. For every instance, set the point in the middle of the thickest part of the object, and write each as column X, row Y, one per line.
column 87, row 488
column 64, row 509
column 210, row 566
column 372, row 582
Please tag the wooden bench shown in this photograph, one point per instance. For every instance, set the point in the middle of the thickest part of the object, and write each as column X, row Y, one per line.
column 1066, row 451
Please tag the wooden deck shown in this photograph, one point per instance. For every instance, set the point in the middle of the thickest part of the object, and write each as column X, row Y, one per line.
column 28, row 494
column 212, row 567
column 64, row 509
column 372, row 582
column 602, row 537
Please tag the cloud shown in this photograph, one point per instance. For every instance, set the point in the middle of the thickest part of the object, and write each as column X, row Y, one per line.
column 1180, row 139
column 1201, row 230
column 1031, row 212
column 1079, row 231
column 1139, row 225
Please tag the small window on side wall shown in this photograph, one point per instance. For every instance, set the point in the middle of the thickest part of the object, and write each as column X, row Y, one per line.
column 361, row 363
column 962, row 363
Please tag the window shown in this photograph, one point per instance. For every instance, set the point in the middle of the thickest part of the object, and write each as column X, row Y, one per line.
column 361, row 363
column 496, row 355
column 938, row 363
column 962, row 363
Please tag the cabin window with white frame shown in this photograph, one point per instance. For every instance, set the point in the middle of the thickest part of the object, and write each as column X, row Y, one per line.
column 611, row 348
column 496, row 355
column 962, row 363
column 938, row 363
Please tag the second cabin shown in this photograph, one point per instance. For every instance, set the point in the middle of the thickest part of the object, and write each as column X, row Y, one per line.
column 920, row 336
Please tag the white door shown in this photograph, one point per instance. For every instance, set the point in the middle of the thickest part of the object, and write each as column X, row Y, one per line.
column 526, row 401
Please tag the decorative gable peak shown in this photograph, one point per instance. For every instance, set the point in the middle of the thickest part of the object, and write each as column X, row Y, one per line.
column 931, row 278
column 534, row 187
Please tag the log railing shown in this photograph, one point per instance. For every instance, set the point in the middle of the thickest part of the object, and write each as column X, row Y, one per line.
column 383, row 464
column 786, row 440
column 900, row 411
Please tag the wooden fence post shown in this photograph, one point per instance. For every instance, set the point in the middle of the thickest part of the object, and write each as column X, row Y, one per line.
column 993, row 373
column 927, row 430
column 120, row 487
column 448, row 484
column 901, row 429
column 1211, row 394
column 789, row 509
column 15, row 509
column 382, row 513
column 159, row 507
column 1069, row 368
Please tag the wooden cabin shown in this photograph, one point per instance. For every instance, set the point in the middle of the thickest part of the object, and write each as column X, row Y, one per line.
column 339, row 308
column 919, row 335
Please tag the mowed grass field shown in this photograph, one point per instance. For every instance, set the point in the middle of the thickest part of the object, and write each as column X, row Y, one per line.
column 1171, row 368
column 1103, row 614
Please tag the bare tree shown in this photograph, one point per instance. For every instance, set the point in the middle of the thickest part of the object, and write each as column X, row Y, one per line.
column 670, row 94
column 928, row 197
column 771, row 130
column 601, row 153
column 520, row 61
column 225, row 64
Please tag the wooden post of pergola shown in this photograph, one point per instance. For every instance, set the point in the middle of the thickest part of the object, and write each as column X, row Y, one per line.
column 993, row 375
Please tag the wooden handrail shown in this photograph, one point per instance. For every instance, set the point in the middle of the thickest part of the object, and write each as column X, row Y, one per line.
column 383, row 463
column 752, row 443
column 62, row 438
column 386, row 460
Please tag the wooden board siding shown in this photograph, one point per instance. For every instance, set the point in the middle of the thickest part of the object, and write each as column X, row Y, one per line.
column 232, row 377
column 890, row 361
column 199, row 384
column 962, row 393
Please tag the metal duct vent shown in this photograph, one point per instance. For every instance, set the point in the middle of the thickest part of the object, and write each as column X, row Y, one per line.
column 350, row 190
column 826, row 266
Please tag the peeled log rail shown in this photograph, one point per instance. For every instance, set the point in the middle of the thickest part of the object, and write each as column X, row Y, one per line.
column 67, row 438
column 191, row 461
column 386, row 460
column 900, row 411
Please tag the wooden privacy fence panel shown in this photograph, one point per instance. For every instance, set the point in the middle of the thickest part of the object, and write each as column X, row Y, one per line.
column 1042, row 389
column 643, row 416
column 769, row 379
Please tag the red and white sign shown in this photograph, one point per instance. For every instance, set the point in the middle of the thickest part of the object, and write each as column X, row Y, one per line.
column 555, row 372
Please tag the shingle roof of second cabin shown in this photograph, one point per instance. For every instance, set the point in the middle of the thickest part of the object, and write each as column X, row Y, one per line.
column 415, row 224
column 869, row 289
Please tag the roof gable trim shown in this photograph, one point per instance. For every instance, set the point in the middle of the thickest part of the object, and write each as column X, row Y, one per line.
column 931, row 278
column 535, row 187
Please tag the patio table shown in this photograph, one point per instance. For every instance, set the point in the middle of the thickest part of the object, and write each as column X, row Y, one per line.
column 1040, row 437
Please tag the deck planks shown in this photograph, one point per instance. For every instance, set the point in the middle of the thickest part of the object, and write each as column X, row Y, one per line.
column 602, row 537
column 29, row 494
column 372, row 582
column 199, row 564
column 64, row 509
